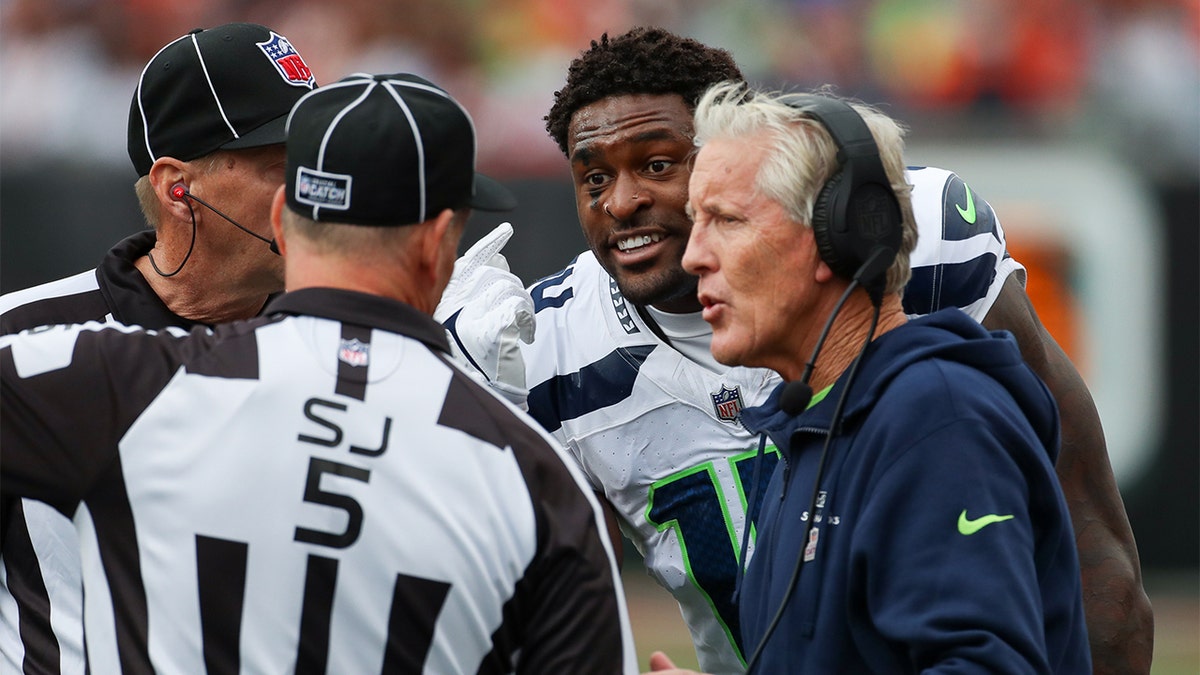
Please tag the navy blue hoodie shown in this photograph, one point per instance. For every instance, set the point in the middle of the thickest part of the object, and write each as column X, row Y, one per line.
column 943, row 541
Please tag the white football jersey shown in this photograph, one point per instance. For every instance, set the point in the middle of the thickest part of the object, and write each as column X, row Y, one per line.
column 659, row 435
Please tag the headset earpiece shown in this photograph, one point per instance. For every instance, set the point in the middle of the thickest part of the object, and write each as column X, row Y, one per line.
column 856, row 211
column 180, row 192
column 822, row 216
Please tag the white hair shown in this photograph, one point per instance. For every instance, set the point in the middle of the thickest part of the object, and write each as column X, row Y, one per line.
column 803, row 155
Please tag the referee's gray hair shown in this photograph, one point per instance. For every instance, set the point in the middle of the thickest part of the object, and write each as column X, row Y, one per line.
column 801, row 155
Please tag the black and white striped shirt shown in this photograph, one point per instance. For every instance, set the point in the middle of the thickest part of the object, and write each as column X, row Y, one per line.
column 41, row 597
column 317, row 490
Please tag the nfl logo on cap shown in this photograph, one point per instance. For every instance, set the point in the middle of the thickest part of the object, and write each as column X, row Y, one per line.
column 287, row 60
column 230, row 87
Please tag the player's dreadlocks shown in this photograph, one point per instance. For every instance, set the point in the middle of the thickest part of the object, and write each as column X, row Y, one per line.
column 642, row 61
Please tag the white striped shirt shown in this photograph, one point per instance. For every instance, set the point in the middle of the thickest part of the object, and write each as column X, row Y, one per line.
column 317, row 490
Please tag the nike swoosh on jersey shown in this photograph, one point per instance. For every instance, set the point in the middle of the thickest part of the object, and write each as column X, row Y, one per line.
column 968, row 213
column 968, row 527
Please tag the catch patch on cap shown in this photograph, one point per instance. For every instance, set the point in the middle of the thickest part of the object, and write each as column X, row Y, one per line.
column 326, row 190
column 384, row 150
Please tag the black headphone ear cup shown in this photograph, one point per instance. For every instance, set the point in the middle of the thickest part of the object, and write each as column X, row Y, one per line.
column 822, row 225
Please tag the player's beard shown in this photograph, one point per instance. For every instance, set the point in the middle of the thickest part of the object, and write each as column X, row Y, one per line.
column 657, row 287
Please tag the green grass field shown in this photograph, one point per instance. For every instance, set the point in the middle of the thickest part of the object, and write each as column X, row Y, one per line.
column 657, row 625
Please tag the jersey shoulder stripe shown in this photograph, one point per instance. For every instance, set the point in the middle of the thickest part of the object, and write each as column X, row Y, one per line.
column 589, row 346
column 74, row 299
column 960, row 259
column 948, row 285
column 597, row 385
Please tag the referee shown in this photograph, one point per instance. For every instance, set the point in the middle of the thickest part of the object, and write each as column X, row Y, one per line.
column 320, row 489
column 205, row 139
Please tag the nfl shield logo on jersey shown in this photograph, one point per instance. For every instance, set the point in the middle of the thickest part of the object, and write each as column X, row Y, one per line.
column 354, row 352
column 728, row 403
column 288, row 61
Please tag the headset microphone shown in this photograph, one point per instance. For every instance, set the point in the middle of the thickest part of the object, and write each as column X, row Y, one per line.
column 797, row 394
column 800, row 392
column 795, row 397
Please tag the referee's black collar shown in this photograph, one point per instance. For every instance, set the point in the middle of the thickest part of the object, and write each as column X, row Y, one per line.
column 129, row 297
column 127, row 293
column 362, row 309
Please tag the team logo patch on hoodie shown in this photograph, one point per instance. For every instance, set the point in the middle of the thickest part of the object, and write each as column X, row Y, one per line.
column 728, row 403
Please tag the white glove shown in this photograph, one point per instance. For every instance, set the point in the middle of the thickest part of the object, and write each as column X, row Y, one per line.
column 486, row 309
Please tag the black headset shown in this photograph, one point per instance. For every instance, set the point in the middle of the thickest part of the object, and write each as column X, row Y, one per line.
column 856, row 211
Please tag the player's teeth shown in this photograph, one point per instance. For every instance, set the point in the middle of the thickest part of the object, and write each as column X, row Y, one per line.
column 635, row 242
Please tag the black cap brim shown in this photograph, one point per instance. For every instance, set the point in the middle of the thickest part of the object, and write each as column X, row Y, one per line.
column 491, row 195
column 271, row 133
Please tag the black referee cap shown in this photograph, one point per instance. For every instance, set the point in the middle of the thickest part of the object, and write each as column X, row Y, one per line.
column 384, row 150
column 226, row 87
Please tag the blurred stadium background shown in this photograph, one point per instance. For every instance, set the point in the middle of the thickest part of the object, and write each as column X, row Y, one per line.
column 1078, row 119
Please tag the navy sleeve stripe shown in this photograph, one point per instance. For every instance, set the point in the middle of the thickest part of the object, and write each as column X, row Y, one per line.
column 599, row 385
column 949, row 285
column 538, row 290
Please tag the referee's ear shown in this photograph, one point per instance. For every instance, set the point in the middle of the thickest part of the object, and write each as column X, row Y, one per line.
column 165, row 173
column 435, row 244
column 277, row 206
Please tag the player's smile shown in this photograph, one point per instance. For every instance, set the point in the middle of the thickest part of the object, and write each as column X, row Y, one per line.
column 637, row 248
column 635, row 243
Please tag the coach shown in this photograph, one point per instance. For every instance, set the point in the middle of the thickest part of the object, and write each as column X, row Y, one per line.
column 320, row 489
column 914, row 522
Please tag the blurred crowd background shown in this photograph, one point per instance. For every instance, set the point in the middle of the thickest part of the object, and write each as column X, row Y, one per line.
column 1122, row 71
column 1117, row 78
